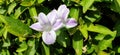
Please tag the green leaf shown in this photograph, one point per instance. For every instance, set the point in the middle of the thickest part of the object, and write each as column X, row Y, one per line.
column 15, row 27
column 90, row 48
column 2, row 30
column 2, row 11
column 45, row 49
column 63, row 39
column 86, row 4
column 11, row 7
column 74, row 12
column 93, row 16
column 99, row 29
column 107, row 41
column 6, row 43
column 84, row 31
column 40, row 1
column 103, row 44
column 27, row 2
column 5, row 33
column 31, row 47
column 100, row 37
column 23, row 47
column 19, row 11
column 33, row 13
column 115, row 6
column 118, row 50
column 77, row 43
column 103, row 53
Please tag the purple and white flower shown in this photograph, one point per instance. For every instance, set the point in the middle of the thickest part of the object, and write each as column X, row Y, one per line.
column 62, row 13
column 48, row 25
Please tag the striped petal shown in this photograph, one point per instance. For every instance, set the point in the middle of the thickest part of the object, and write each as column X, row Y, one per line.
column 71, row 23
column 49, row 37
column 37, row 26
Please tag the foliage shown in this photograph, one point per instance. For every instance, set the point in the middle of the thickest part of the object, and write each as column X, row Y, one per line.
column 97, row 32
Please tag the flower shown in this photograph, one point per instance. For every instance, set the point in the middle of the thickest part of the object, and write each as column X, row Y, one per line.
column 48, row 25
column 62, row 13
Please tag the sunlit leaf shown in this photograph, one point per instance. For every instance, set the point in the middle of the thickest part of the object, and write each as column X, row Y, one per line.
column 27, row 2
column 84, row 31
column 33, row 13
column 86, row 4
column 99, row 29
column 11, row 7
column 23, row 47
column 19, row 11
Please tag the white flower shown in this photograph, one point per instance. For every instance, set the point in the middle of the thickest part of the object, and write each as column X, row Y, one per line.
column 48, row 25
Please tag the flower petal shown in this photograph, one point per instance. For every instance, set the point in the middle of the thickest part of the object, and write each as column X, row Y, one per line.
column 36, row 26
column 61, row 8
column 63, row 12
column 71, row 23
column 58, row 24
column 42, row 18
column 52, row 16
column 49, row 37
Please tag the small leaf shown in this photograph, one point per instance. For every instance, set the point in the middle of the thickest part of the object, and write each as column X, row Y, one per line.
column 107, row 41
column 103, row 53
column 86, row 4
column 83, row 29
column 40, row 1
column 2, row 11
column 11, row 7
column 77, row 43
column 19, row 11
column 99, row 29
column 118, row 50
column 33, row 13
column 31, row 47
column 100, row 37
column 93, row 16
column 74, row 12
column 115, row 6
column 23, row 47
column 6, row 43
column 27, row 3
column 45, row 49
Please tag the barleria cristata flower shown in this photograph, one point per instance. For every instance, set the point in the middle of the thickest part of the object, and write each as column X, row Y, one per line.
column 48, row 25
column 52, row 22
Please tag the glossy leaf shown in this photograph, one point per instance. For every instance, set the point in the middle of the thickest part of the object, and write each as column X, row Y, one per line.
column 86, row 4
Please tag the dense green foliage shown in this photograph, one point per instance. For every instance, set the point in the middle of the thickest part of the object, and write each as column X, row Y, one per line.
column 97, row 32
